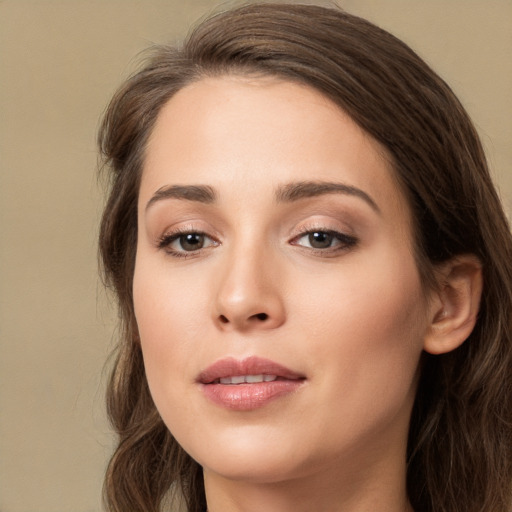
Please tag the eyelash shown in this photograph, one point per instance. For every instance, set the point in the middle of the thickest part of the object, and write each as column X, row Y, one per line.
column 345, row 242
column 168, row 238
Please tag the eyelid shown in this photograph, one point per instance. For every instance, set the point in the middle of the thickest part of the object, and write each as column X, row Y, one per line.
column 343, row 237
column 183, row 227
column 170, row 235
column 324, row 223
column 347, row 240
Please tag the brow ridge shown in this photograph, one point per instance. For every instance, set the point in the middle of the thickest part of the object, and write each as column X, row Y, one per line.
column 285, row 193
column 305, row 189
column 199, row 193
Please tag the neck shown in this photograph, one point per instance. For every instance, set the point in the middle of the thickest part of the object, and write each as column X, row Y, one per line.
column 383, row 490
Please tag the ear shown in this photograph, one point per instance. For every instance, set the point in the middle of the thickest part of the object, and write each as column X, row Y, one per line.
column 454, row 305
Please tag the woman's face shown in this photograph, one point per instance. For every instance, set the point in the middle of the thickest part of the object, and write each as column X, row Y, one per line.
column 280, row 310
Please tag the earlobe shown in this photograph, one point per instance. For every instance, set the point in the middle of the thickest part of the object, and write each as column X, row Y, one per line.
column 455, row 305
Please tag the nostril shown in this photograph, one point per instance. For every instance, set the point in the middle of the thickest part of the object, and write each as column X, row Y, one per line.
column 258, row 317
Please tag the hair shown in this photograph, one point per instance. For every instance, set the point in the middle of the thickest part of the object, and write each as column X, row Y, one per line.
column 460, row 439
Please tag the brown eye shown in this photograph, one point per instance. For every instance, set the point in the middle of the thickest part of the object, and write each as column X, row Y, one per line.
column 179, row 244
column 191, row 241
column 327, row 241
column 320, row 239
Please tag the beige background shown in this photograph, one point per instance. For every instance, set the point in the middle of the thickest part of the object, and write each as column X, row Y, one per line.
column 60, row 61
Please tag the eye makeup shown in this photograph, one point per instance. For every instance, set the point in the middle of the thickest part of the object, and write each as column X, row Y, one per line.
column 321, row 227
column 185, row 242
column 325, row 242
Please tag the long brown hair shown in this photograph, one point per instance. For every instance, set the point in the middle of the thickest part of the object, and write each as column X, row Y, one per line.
column 460, row 441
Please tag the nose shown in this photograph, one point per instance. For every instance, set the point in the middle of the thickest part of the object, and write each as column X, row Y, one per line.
column 250, row 294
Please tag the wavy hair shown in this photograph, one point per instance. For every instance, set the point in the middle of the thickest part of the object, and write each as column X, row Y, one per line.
column 460, row 440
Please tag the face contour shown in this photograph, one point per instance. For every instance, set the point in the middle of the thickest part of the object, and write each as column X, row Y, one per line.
column 280, row 310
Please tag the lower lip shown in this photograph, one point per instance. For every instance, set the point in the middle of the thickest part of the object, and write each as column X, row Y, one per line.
column 246, row 397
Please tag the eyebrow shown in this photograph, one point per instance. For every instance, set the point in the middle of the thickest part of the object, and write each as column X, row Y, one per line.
column 285, row 193
column 199, row 193
column 305, row 189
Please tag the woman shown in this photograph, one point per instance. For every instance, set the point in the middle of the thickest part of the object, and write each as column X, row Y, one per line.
column 313, row 272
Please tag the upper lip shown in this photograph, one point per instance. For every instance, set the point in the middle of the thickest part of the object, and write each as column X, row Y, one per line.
column 231, row 367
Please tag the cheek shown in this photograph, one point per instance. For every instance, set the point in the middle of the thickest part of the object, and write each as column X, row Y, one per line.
column 167, row 302
column 169, row 316
column 368, row 325
column 372, row 298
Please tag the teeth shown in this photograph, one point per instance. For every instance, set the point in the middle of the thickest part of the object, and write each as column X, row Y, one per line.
column 249, row 379
column 253, row 378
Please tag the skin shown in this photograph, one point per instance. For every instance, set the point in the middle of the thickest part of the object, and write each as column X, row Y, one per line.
column 352, row 318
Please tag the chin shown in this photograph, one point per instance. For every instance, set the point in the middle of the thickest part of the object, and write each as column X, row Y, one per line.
column 265, row 470
column 248, row 456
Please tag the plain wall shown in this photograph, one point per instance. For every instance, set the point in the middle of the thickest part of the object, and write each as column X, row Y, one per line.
column 60, row 61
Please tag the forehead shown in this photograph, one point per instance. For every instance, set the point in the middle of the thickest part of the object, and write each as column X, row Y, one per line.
column 242, row 133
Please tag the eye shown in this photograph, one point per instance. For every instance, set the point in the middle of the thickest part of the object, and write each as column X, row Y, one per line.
column 191, row 241
column 181, row 243
column 325, row 240
column 320, row 239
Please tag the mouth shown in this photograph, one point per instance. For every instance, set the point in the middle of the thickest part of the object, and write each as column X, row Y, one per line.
column 247, row 384
column 245, row 379
column 250, row 370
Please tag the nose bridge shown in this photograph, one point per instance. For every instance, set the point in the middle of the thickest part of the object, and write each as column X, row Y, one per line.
column 249, row 294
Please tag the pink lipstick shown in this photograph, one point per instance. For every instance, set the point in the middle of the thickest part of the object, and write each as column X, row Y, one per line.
column 247, row 384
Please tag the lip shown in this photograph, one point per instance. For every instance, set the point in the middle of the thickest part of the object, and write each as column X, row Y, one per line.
column 245, row 396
